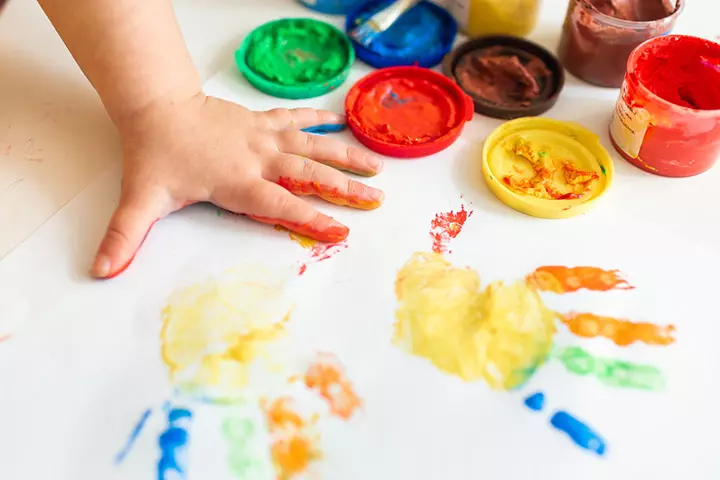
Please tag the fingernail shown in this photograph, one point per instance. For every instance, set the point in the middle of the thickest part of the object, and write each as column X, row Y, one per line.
column 376, row 164
column 101, row 267
column 376, row 195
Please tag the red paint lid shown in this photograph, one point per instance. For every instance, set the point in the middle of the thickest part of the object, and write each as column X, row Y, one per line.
column 407, row 112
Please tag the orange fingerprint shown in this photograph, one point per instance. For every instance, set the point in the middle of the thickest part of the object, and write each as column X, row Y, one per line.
column 566, row 279
column 622, row 332
column 326, row 376
column 446, row 226
column 293, row 447
column 329, row 194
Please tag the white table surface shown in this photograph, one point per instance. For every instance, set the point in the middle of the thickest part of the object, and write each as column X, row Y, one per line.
column 49, row 233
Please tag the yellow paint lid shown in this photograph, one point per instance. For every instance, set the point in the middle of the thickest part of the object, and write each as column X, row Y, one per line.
column 546, row 168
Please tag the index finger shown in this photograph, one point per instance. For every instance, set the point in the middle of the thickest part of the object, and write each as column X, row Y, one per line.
column 300, row 118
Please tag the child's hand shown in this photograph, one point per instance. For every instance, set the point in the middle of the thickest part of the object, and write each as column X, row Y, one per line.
column 208, row 150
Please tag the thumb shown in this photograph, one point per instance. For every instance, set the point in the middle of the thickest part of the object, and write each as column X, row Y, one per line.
column 129, row 226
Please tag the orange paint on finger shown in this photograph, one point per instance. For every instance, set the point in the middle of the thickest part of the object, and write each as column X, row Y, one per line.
column 566, row 280
column 329, row 194
column 333, row 234
column 446, row 226
column 293, row 444
column 621, row 332
column 327, row 377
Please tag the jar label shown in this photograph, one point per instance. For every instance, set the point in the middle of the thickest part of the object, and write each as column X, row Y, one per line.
column 628, row 127
column 459, row 9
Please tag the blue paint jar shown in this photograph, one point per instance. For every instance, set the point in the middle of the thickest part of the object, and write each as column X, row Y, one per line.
column 331, row 7
column 422, row 36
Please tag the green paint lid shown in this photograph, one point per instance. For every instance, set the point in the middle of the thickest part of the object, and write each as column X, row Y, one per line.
column 295, row 58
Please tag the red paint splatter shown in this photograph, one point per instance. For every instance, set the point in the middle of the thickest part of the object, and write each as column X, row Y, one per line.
column 446, row 226
column 323, row 251
column 5, row 337
column 303, row 269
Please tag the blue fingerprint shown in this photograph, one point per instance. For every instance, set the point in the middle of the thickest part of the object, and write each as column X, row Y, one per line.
column 133, row 436
column 173, row 444
column 581, row 434
column 536, row 401
column 325, row 129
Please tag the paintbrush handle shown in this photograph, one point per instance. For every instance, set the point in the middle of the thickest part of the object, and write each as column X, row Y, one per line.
column 385, row 18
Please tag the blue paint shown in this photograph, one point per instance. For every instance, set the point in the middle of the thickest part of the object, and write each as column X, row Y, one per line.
column 173, row 444
column 581, row 434
column 536, row 401
column 331, row 7
column 421, row 36
column 325, row 129
column 133, row 436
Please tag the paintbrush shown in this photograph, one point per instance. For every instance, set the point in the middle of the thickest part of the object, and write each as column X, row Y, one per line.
column 366, row 32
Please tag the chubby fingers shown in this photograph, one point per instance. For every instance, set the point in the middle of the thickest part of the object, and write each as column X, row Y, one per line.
column 128, row 227
column 269, row 203
column 302, row 176
column 299, row 118
column 330, row 151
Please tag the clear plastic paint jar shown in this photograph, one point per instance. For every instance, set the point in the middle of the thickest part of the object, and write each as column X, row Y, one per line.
column 490, row 17
column 667, row 119
column 597, row 38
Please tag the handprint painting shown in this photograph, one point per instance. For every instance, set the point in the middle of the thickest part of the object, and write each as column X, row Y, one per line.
column 502, row 333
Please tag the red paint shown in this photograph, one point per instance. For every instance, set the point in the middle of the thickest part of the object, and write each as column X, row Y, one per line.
column 676, row 80
column 332, row 234
column 303, row 269
column 446, row 226
column 330, row 194
column 5, row 337
column 323, row 251
column 407, row 111
column 124, row 267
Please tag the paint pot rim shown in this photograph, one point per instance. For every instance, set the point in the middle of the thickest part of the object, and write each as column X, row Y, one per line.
column 547, row 98
column 294, row 92
column 665, row 41
column 546, row 208
column 377, row 60
column 327, row 8
column 460, row 98
column 635, row 24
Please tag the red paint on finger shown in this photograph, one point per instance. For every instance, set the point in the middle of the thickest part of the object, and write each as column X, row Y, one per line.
column 332, row 234
column 124, row 267
column 329, row 194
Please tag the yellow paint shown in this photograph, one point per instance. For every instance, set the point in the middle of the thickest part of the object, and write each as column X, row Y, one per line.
column 506, row 17
column 302, row 240
column 212, row 332
column 500, row 333
column 538, row 165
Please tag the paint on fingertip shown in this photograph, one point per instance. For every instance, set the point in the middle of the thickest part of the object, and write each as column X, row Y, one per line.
column 536, row 401
column 325, row 128
column 582, row 435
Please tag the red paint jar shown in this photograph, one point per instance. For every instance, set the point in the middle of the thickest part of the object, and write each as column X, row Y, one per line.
column 595, row 45
column 667, row 119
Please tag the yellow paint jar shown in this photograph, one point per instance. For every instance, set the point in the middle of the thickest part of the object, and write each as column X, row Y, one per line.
column 491, row 17
column 546, row 168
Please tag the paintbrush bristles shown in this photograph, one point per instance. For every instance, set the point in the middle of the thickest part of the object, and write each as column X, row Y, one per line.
column 381, row 21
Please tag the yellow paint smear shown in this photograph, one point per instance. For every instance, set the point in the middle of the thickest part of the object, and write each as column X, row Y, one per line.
column 303, row 241
column 212, row 332
column 294, row 444
column 500, row 334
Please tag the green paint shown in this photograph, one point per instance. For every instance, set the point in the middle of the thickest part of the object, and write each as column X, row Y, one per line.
column 542, row 154
column 615, row 373
column 219, row 212
column 602, row 167
column 240, row 434
column 297, row 51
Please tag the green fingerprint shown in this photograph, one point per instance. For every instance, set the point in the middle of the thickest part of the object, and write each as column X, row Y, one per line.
column 239, row 434
column 615, row 373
